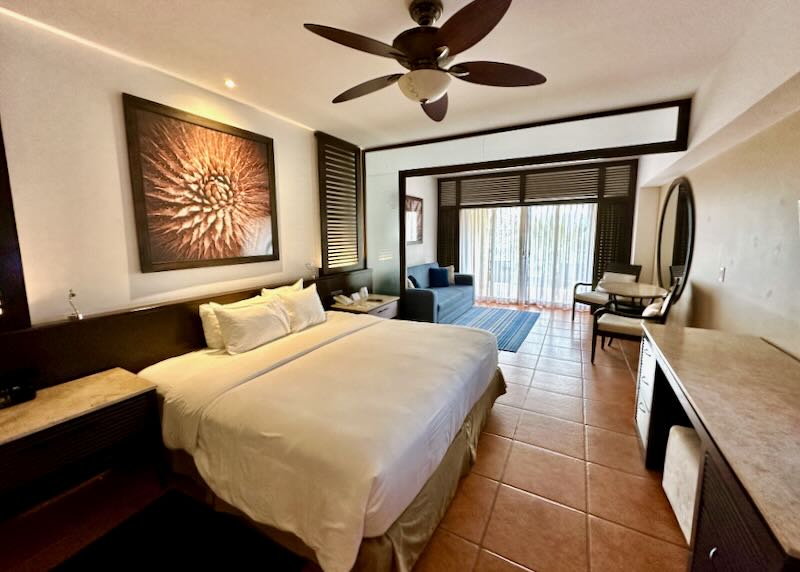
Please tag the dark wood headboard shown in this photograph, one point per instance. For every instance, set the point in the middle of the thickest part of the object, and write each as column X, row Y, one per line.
column 56, row 352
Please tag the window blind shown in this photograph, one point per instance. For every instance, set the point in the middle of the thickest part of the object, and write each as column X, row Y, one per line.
column 447, row 193
column 550, row 185
column 341, row 204
column 490, row 190
column 610, row 184
column 573, row 184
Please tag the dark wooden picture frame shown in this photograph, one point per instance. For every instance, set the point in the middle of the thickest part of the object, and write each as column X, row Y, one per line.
column 196, row 222
column 414, row 204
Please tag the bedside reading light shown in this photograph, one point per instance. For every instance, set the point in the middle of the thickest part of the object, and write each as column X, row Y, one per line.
column 1, row 302
column 76, row 315
column 313, row 269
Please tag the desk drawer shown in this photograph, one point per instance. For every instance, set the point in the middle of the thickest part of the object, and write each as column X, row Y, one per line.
column 642, row 423
column 388, row 311
column 644, row 390
column 730, row 534
column 647, row 374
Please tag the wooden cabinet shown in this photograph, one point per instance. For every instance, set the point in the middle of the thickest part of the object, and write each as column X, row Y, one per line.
column 89, row 448
column 388, row 310
column 730, row 534
column 741, row 395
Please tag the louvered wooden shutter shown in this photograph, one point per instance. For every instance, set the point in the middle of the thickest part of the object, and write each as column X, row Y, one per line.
column 562, row 185
column 341, row 204
column 617, row 184
column 614, row 217
column 490, row 191
column 447, row 194
column 612, row 185
column 447, row 224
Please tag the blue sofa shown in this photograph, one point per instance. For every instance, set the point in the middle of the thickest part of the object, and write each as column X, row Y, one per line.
column 442, row 305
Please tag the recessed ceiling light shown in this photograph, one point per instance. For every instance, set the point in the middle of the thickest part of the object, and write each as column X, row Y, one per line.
column 229, row 83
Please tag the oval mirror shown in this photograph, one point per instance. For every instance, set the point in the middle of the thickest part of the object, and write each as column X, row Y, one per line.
column 676, row 237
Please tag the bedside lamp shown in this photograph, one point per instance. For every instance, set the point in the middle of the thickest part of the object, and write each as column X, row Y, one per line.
column 76, row 315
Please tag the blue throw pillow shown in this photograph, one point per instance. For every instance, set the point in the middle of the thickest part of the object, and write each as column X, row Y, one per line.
column 438, row 277
column 414, row 281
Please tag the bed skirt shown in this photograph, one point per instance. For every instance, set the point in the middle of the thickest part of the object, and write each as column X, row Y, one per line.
column 401, row 545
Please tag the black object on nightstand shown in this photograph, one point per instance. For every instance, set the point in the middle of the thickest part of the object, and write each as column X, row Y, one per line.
column 16, row 387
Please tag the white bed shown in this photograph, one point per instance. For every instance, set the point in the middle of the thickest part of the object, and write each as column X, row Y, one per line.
column 331, row 432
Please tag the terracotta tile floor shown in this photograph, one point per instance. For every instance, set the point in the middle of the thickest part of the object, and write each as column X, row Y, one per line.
column 559, row 483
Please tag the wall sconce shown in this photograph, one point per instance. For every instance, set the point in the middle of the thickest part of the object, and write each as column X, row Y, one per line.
column 313, row 269
column 1, row 302
column 75, row 315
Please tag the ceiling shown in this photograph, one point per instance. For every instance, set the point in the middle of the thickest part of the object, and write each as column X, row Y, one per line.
column 596, row 54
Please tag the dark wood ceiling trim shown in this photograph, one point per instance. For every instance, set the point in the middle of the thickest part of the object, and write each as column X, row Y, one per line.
column 683, row 105
column 569, row 167
column 607, row 153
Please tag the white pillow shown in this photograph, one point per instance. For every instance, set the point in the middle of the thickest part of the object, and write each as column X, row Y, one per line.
column 451, row 274
column 617, row 277
column 296, row 287
column 409, row 284
column 211, row 324
column 653, row 309
column 251, row 326
column 304, row 308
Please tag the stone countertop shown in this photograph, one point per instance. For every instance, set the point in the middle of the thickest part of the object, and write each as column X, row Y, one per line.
column 746, row 393
column 69, row 400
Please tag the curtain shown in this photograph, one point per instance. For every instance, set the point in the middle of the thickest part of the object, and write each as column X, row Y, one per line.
column 528, row 255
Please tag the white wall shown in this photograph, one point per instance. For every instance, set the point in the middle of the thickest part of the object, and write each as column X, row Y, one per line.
column 755, row 86
column 425, row 188
column 61, row 111
column 645, row 232
column 747, row 202
column 383, row 168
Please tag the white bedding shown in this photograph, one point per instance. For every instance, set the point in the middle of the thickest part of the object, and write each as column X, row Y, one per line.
column 331, row 432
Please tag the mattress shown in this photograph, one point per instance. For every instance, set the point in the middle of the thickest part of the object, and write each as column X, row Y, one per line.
column 329, row 433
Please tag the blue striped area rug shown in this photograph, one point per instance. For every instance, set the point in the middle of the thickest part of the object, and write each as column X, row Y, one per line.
column 510, row 326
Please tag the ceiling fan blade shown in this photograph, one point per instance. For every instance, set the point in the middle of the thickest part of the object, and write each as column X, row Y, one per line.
column 471, row 24
column 355, row 41
column 436, row 110
column 367, row 87
column 496, row 73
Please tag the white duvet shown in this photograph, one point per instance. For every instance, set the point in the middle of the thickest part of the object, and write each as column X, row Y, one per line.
column 331, row 432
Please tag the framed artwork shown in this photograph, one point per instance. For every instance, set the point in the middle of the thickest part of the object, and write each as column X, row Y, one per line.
column 203, row 191
column 413, row 220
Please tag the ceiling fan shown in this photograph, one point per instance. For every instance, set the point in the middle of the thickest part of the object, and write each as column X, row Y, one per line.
column 427, row 52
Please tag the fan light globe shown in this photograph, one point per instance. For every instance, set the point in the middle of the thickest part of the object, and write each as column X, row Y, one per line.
column 424, row 85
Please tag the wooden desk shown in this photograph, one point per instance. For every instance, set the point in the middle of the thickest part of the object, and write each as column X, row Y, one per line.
column 742, row 396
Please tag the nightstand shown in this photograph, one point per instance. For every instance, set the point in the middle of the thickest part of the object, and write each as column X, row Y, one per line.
column 380, row 305
column 75, row 462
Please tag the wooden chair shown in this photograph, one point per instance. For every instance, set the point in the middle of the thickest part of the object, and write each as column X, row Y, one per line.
column 594, row 298
column 614, row 323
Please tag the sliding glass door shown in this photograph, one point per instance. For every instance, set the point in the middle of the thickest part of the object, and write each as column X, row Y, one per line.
column 528, row 255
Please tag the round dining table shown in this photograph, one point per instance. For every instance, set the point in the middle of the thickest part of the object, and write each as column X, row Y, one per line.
column 634, row 290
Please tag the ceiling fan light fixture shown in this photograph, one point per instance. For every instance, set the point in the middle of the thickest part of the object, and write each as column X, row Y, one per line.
column 424, row 85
